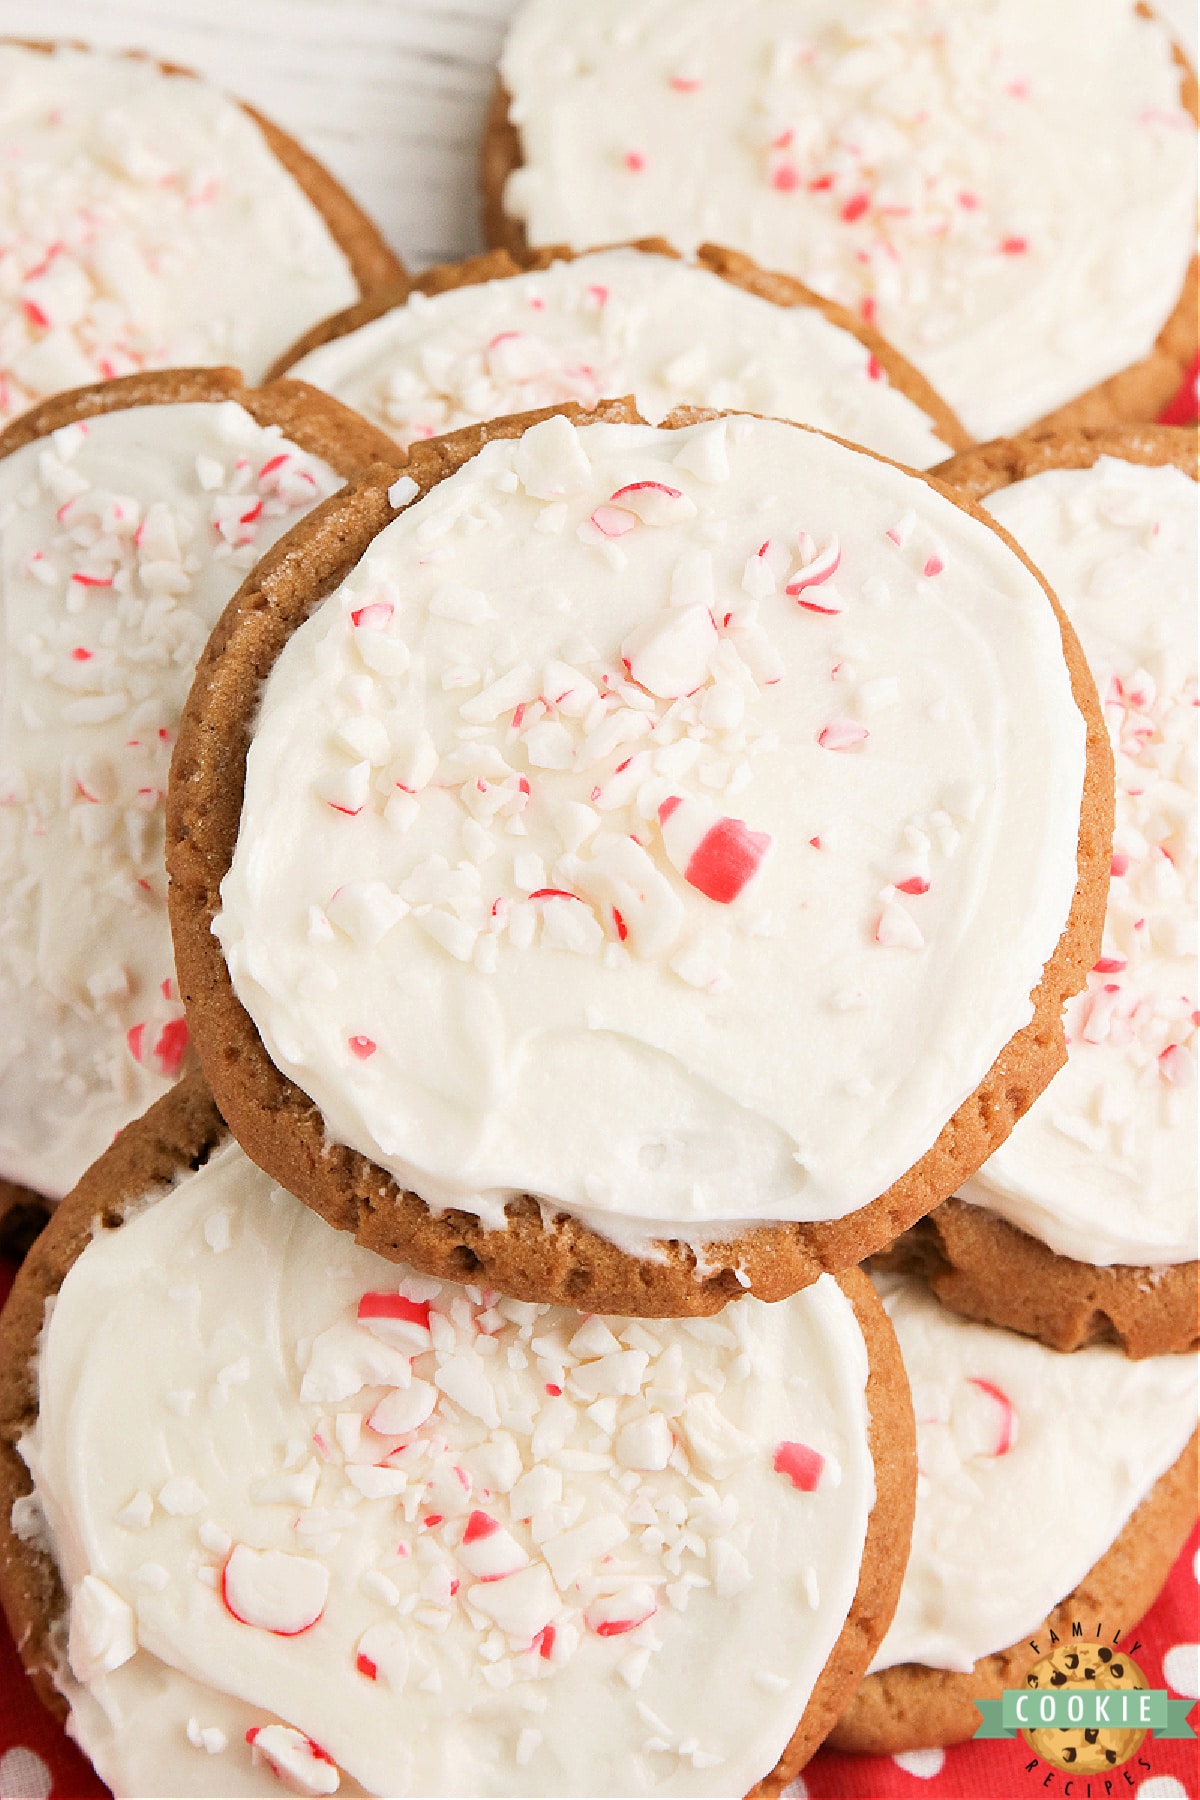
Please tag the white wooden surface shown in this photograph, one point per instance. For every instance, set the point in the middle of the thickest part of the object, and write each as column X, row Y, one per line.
column 390, row 94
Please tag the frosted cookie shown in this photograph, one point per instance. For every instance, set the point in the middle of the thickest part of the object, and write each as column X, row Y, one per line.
column 348, row 1529
column 129, row 513
column 1099, row 1177
column 1073, row 1477
column 634, row 857
column 474, row 340
column 1008, row 194
column 149, row 222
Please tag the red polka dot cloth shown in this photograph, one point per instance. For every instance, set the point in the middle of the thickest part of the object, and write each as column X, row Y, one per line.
column 38, row 1761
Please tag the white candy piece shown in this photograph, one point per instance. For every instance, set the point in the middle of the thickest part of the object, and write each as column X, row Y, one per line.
column 404, row 1409
column 366, row 911
column 645, row 1443
column 346, row 1358
column 488, row 1551
column 714, row 1440
column 296, row 1760
column 522, row 1604
column 550, row 461
column 275, row 1591
column 614, row 1614
column 102, row 1634
column 384, row 1649
column 623, row 879
column 671, row 657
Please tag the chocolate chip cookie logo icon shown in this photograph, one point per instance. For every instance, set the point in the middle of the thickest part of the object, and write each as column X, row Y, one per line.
column 1085, row 1709
column 1085, row 1749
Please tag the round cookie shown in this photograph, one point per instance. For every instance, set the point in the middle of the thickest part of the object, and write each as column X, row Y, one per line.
column 1037, row 1465
column 600, row 1244
column 432, row 1664
column 1083, row 1228
column 129, row 514
column 474, row 340
column 1012, row 205
column 220, row 237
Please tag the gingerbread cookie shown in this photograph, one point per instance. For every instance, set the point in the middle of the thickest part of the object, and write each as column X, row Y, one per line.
column 346, row 1524
column 150, row 221
column 1055, row 1493
column 129, row 513
column 1090, row 1223
column 662, row 916
column 474, row 340
column 1017, row 216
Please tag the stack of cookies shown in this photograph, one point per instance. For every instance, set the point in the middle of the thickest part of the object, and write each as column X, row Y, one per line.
column 636, row 849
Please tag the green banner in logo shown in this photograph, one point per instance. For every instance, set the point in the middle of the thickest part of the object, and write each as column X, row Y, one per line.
column 1089, row 1708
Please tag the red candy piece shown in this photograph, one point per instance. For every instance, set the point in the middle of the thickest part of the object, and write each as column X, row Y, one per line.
column 480, row 1525
column 1182, row 408
column 800, row 1464
column 727, row 857
column 393, row 1306
column 366, row 1667
column 363, row 1047
column 169, row 1050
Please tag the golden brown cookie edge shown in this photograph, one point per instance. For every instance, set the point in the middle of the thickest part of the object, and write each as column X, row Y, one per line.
column 989, row 1270
column 889, row 1535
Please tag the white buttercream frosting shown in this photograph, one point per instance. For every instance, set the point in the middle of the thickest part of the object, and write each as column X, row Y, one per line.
column 580, row 857
column 615, row 322
column 1005, row 188
column 121, row 540
column 1103, row 1166
column 424, row 1540
column 145, row 224
column 1030, row 1463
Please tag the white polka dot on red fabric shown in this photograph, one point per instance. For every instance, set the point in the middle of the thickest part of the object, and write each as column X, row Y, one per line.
column 1196, row 1565
column 1162, row 1787
column 1181, row 1668
column 795, row 1790
column 23, row 1775
column 924, row 1764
